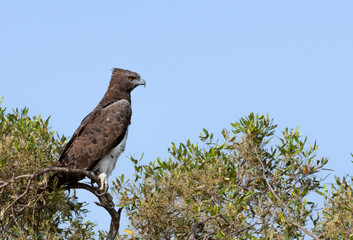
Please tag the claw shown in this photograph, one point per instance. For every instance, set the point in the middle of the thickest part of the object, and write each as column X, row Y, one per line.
column 99, row 194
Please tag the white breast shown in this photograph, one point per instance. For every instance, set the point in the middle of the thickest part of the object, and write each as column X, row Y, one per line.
column 107, row 163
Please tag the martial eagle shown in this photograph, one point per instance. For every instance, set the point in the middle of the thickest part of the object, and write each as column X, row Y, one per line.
column 101, row 137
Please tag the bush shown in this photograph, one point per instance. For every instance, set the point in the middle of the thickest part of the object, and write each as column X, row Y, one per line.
column 244, row 187
column 27, row 145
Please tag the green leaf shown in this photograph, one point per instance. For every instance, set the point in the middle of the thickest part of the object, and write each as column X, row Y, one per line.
column 220, row 234
column 249, row 170
column 319, row 192
column 122, row 205
column 3, row 161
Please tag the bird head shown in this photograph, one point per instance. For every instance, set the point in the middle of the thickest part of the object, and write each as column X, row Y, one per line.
column 127, row 79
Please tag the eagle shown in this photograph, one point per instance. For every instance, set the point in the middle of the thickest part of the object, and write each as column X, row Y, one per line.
column 101, row 137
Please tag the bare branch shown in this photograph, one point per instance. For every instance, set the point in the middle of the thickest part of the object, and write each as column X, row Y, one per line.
column 51, row 169
column 105, row 201
column 18, row 198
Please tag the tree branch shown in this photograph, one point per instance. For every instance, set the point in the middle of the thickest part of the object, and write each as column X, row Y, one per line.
column 50, row 169
column 18, row 198
column 105, row 199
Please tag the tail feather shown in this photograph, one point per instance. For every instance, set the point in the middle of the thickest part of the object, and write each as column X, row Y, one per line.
column 60, row 179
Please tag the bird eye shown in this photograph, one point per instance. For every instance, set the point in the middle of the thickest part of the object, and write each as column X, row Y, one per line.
column 131, row 78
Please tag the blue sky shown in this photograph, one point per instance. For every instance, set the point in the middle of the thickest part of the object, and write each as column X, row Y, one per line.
column 206, row 64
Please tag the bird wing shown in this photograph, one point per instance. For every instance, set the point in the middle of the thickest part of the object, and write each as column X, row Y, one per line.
column 97, row 134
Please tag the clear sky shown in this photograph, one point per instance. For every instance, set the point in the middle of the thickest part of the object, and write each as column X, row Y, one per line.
column 206, row 64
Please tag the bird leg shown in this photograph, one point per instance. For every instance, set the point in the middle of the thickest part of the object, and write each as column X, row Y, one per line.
column 103, row 182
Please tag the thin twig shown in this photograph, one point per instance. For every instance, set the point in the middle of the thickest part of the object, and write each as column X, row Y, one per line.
column 18, row 198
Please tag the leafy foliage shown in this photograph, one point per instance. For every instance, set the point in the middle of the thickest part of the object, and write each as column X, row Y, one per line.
column 337, row 219
column 241, row 188
column 249, row 185
column 27, row 146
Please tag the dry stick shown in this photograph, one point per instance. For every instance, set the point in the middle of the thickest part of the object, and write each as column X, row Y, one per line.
column 199, row 226
column 18, row 198
column 284, row 205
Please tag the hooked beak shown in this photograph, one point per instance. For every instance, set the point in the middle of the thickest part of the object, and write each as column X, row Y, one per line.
column 142, row 82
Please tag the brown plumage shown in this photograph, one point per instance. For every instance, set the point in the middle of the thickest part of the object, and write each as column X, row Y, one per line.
column 100, row 138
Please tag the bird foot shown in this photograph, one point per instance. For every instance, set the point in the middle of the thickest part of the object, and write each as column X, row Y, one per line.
column 99, row 193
